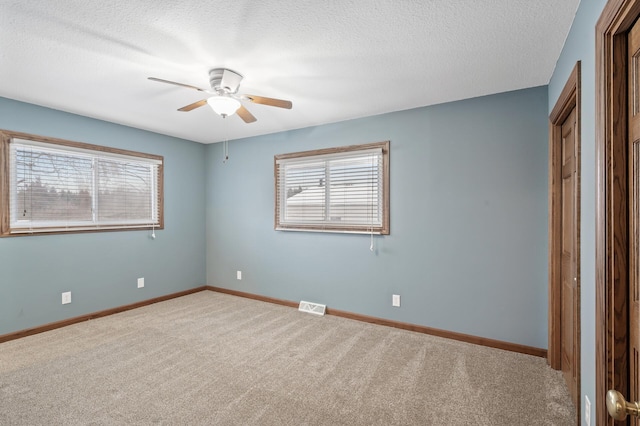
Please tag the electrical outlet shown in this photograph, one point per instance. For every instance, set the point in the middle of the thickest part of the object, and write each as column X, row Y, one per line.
column 395, row 300
column 66, row 297
column 239, row 275
column 140, row 282
column 587, row 411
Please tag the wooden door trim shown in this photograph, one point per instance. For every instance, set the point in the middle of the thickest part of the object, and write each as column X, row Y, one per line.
column 569, row 99
column 612, row 251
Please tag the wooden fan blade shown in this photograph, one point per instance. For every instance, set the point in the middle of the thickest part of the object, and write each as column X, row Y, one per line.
column 175, row 83
column 245, row 115
column 193, row 106
column 269, row 101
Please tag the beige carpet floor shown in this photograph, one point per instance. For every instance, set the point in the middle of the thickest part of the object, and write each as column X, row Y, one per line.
column 214, row 359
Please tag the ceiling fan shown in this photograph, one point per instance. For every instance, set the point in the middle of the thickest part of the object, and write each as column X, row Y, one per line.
column 224, row 99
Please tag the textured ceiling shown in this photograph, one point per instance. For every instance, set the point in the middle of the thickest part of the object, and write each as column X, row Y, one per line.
column 335, row 60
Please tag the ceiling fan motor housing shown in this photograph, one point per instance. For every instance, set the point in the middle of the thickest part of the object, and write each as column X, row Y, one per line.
column 224, row 80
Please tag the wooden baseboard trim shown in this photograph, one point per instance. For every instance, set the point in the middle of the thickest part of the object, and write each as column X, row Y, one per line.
column 468, row 338
column 94, row 315
column 253, row 296
column 482, row 341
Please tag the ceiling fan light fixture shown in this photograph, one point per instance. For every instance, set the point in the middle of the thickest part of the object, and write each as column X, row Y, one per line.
column 224, row 105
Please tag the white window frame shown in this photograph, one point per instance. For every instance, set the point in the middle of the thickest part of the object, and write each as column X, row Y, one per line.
column 377, row 223
column 11, row 225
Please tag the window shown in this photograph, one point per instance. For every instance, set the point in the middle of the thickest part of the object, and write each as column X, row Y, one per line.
column 343, row 189
column 51, row 186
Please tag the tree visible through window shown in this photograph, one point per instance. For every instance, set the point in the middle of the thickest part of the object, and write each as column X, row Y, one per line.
column 50, row 185
column 342, row 189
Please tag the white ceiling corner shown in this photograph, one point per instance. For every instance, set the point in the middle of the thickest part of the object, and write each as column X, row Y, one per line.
column 334, row 60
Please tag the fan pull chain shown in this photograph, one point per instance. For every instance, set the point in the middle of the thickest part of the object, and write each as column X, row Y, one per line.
column 225, row 145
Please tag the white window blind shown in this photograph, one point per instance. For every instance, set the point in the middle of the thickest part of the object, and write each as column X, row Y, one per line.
column 341, row 191
column 57, row 188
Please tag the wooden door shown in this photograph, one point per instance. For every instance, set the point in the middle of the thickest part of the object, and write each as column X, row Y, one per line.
column 634, row 210
column 569, row 291
column 617, row 212
column 564, row 235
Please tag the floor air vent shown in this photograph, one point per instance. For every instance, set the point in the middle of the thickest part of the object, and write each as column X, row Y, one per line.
column 312, row 308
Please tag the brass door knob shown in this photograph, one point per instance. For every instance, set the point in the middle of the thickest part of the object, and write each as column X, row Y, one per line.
column 619, row 408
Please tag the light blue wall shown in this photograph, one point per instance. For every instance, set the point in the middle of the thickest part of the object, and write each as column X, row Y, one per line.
column 580, row 46
column 101, row 269
column 468, row 244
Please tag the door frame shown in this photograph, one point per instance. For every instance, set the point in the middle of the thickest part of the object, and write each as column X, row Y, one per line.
column 612, row 252
column 569, row 99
